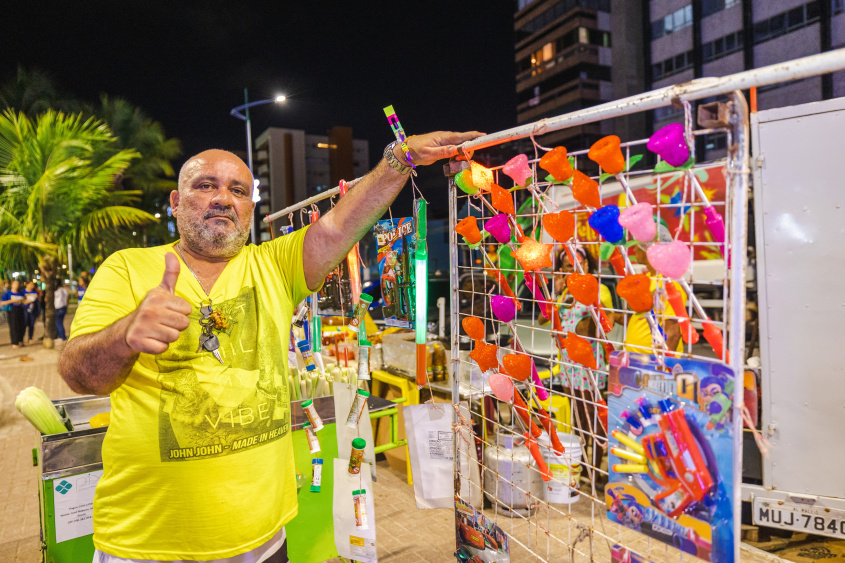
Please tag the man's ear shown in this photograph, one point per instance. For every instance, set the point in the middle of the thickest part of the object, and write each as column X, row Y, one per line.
column 174, row 201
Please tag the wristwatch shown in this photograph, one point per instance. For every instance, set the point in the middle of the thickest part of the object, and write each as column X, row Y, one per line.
column 394, row 162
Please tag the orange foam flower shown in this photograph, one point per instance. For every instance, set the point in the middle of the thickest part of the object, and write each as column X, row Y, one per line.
column 556, row 163
column 468, row 228
column 607, row 153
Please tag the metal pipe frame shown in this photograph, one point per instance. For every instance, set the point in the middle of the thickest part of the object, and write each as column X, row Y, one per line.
column 687, row 91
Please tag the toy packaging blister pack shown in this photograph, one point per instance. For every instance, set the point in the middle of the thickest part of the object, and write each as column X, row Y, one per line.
column 671, row 452
column 396, row 243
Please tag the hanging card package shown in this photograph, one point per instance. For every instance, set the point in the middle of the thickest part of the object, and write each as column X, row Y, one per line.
column 396, row 243
column 428, row 428
column 671, row 456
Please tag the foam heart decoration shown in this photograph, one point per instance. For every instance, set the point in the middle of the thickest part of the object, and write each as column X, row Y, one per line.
column 585, row 190
column 502, row 199
column 499, row 226
column 671, row 259
column 503, row 307
column 584, row 288
column 518, row 170
column 635, row 289
column 502, row 387
column 639, row 221
column 485, row 355
column 560, row 226
column 580, row 351
column 474, row 327
column 517, row 366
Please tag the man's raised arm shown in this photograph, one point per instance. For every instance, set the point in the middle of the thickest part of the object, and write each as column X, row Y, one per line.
column 98, row 363
column 329, row 240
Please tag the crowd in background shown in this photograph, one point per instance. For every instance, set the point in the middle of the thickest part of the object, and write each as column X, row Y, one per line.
column 22, row 303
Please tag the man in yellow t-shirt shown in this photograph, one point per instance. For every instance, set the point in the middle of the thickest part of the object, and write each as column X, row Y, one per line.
column 198, row 460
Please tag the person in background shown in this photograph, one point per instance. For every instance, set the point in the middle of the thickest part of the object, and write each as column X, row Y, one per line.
column 31, row 309
column 575, row 317
column 60, row 297
column 80, row 289
column 13, row 299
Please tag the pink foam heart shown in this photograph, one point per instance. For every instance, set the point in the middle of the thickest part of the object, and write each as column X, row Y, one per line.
column 671, row 260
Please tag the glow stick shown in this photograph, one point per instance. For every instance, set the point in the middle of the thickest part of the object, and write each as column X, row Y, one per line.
column 399, row 132
column 421, row 262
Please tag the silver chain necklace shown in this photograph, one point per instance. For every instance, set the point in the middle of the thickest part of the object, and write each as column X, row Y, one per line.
column 210, row 321
column 179, row 249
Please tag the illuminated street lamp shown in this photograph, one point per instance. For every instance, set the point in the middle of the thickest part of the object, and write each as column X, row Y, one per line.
column 236, row 112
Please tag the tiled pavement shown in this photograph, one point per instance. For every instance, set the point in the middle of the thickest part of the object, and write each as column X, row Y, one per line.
column 404, row 534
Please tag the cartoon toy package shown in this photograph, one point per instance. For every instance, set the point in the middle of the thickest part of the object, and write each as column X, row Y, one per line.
column 479, row 539
column 396, row 243
column 671, row 452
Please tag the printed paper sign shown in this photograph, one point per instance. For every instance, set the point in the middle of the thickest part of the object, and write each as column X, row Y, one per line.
column 73, row 505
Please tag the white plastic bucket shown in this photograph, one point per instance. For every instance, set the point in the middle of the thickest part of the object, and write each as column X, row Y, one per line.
column 565, row 469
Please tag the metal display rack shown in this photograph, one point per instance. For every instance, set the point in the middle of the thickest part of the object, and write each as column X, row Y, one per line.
column 581, row 530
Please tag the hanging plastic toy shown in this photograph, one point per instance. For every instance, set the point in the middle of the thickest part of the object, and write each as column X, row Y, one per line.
column 503, row 308
column 579, row 350
column 533, row 255
column 585, row 190
column 605, row 222
column 669, row 143
column 639, row 221
column 502, row 199
column 560, row 226
column 607, row 153
column 499, row 226
column 585, row 289
column 517, row 366
column 484, row 354
column 468, row 228
column 635, row 289
column 670, row 259
column 474, row 178
column 556, row 163
column 518, row 169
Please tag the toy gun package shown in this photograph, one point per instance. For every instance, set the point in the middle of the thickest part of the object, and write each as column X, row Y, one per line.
column 396, row 243
column 671, row 452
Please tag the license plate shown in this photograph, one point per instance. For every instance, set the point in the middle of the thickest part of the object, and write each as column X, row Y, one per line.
column 801, row 517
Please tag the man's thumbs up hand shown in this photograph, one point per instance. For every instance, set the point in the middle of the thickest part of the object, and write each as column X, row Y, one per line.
column 171, row 273
column 161, row 316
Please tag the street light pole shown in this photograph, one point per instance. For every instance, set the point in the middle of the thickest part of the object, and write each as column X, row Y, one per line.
column 245, row 117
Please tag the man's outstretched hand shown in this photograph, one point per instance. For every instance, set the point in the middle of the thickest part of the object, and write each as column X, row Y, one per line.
column 431, row 147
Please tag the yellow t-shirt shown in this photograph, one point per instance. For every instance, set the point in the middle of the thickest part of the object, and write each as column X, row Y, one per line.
column 198, row 460
column 638, row 335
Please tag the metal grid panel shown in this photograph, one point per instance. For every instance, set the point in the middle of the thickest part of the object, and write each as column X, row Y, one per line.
column 536, row 528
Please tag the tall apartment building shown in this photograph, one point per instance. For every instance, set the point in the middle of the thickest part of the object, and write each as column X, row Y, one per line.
column 563, row 61
column 292, row 165
column 572, row 54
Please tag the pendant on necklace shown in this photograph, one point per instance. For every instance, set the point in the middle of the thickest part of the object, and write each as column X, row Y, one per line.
column 211, row 320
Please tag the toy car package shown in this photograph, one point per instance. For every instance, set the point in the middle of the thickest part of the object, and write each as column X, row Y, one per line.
column 396, row 242
column 671, row 452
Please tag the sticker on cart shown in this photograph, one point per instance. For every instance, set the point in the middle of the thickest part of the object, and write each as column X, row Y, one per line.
column 73, row 505
column 362, row 549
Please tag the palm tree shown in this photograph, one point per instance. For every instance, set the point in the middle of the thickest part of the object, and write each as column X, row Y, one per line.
column 56, row 191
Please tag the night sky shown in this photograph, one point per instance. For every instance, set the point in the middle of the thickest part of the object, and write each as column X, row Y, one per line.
column 442, row 64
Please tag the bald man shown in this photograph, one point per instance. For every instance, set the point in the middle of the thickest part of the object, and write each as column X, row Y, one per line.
column 190, row 339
